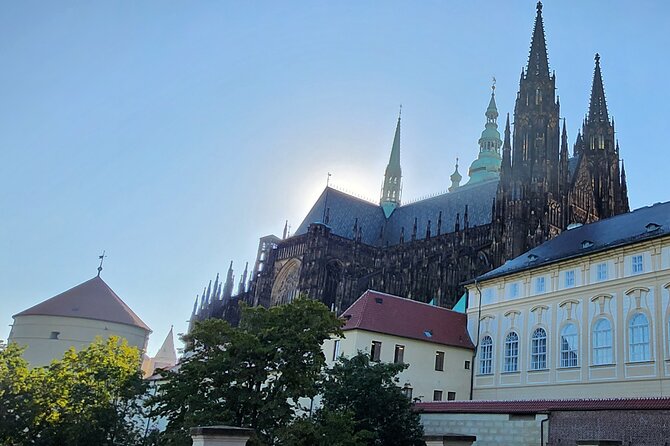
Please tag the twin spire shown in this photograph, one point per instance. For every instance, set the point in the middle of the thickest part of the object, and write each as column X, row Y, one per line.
column 598, row 105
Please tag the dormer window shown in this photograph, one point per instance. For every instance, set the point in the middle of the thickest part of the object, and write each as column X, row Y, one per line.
column 532, row 257
column 651, row 227
column 587, row 244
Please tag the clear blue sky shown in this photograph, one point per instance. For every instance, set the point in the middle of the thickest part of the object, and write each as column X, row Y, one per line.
column 174, row 134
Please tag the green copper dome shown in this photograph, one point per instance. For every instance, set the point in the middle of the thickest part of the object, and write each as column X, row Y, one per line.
column 487, row 165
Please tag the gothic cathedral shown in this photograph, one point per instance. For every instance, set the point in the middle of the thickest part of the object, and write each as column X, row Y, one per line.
column 522, row 191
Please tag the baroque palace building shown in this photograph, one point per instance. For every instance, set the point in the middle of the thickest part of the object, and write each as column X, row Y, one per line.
column 523, row 190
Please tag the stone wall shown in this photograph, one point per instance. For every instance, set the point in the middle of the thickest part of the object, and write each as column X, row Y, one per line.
column 635, row 427
column 490, row 429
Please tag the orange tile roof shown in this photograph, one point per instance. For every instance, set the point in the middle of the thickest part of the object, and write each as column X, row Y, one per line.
column 388, row 314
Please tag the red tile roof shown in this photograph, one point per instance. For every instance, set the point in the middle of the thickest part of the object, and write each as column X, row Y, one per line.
column 384, row 313
column 93, row 299
column 540, row 406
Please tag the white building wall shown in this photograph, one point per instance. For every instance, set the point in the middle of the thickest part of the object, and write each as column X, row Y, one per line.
column 617, row 298
column 36, row 332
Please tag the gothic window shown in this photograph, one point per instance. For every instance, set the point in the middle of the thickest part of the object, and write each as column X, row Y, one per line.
column 538, row 350
column 569, row 346
column 511, row 353
column 602, row 342
column 538, row 96
column 285, row 287
column 638, row 338
column 486, row 356
column 524, row 147
column 333, row 279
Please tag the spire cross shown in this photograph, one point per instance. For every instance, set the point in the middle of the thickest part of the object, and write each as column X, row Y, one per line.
column 597, row 58
column 493, row 86
column 400, row 112
column 102, row 259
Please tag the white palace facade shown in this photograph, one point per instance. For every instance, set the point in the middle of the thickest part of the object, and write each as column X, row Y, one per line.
column 584, row 315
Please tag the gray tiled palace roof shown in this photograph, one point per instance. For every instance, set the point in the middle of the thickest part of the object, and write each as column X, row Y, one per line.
column 642, row 224
column 344, row 209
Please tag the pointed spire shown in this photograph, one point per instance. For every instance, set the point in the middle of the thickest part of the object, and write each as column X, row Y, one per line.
column 166, row 356
column 241, row 289
column 538, row 63
column 228, row 286
column 439, row 224
column 390, row 198
column 624, row 189
column 456, row 178
column 598, row 105
column 564, row 142
column 285, row 229
column 506, row 165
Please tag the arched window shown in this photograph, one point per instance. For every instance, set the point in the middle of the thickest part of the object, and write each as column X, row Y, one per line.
column 638, row 338
column 538, row 350
column 511, row 352
column 486, row 356
column 602, row 342
column 569, row 346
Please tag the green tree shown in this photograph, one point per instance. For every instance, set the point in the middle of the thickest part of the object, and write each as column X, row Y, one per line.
column 369, row 391
column 88, row 397
column 250, row 376
column 18, row 409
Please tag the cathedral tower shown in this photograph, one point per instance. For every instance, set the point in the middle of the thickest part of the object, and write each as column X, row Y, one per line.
column 530, row 185
column 392, row 177
column 487, row 165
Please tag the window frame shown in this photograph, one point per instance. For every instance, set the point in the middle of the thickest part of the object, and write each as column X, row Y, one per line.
column 634, row 344
column 538, row 356
column 336, row 349
column 437, row 393
column 439, row 361
column 540, row 285
column 601, row 272
column 635, row 266
column 569, row 354
column 569, row 284
column 511, row 353
column 399, row 358
column 597, row 347
column 376, row 351
column 486, row 356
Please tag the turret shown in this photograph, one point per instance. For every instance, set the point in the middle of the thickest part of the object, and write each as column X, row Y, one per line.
column 455, row 179
column 487, row 165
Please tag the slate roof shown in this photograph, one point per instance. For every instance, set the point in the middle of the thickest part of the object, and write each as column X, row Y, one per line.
column 642, row 224
column 393, row 315
column 93, row 299
column 344, row 209
column 543, row 406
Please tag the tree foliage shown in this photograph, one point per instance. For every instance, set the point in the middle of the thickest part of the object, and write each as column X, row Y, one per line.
column 88, row 397
column 250, row 376
column 369, row 391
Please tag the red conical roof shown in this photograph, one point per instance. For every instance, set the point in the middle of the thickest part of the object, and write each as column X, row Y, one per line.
column 93, row 299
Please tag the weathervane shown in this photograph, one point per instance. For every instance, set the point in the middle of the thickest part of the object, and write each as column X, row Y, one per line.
column 102, row 259
column 493, row 87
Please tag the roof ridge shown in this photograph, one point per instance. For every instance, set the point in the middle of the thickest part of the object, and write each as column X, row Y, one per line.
column 411, row 300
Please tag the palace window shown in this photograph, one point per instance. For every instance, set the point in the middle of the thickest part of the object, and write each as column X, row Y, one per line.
column 638, row 334
column 637, row 264
column 540, row 285
column 511, row 352
column 514, row 290
column 569, row 278
column 538, row 350
column 601, row 271
column 375, row 351
column 569, row 346
column 486, row 356
column 399, row 354
column 602, row 342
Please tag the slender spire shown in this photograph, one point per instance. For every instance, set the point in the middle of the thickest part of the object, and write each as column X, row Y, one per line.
column 538, row 63
column 564, row 142
column 598, row 105
column 624, row 189
column 243, row 280
column 228, row 285
column 390, row 198
column 506, row 166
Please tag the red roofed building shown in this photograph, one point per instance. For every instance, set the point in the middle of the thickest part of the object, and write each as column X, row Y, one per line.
column 433, row 341
column 74, row 318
